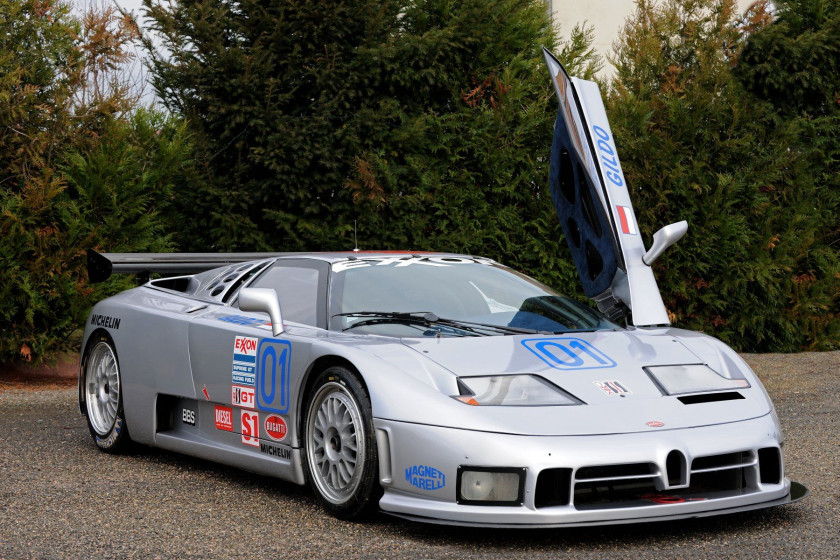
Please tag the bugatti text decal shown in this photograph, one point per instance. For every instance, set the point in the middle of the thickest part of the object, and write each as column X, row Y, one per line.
column 275, row 427
column 425, row 477
column 273, row 360
column 244, row 360
column 568, row 353
column 105, row 321
column 609, row 159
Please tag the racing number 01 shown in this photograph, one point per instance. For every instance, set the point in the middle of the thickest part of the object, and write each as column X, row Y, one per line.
column 273, row 361
column 568, row 353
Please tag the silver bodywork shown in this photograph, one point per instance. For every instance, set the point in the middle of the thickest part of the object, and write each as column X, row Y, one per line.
column 203, row 377
column 176, row 353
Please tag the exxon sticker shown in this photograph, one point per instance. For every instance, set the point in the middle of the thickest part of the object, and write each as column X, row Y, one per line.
column 244, row 360
column 425, row 477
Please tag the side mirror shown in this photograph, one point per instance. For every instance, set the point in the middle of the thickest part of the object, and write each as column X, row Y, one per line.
column 663, row 239
column 264, row 300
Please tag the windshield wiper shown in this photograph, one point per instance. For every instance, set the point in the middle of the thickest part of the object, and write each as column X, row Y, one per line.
column 430, row 319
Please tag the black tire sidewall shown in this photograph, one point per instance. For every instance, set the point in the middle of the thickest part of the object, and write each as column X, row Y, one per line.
column 365, row 500
column 117, row 438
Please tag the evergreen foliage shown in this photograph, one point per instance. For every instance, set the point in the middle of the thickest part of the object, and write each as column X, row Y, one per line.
column 73, row 175
column 754, row 269
column 426, row 122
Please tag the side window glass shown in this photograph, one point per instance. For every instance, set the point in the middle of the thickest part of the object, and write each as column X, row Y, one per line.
column 297, row 290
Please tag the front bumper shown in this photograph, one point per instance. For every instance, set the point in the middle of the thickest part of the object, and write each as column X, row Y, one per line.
column 601, row 479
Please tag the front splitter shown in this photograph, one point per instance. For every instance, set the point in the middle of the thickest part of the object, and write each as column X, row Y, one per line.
column 797, row 492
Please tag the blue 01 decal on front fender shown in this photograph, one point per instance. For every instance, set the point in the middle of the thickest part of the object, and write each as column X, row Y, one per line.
column 273, row 364
column 568, row 353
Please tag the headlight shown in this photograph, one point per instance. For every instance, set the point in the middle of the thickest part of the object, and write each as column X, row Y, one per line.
column 512, row 390
column 490, row 486
column 695, row 378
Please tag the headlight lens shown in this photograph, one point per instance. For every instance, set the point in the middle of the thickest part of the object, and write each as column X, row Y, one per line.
column 490, row 485
column 694, row 378
column 512, row 390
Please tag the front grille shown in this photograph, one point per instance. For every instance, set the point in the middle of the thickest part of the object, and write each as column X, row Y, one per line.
column 644, row 484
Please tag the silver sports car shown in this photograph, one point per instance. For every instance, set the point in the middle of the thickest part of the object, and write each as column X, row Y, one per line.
column 443, row 387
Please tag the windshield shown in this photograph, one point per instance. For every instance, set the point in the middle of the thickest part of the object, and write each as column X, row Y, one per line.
column 375, row 295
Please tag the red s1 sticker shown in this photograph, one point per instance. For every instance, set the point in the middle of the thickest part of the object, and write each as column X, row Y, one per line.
column 250, row 428
column 224, row 418
column 275, row 427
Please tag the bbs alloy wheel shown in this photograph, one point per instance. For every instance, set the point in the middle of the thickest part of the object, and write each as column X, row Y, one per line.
column 341, row 455
column 103, row 397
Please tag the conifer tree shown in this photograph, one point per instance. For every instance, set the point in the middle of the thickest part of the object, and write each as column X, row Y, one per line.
column 427, row 123
column 697, row 146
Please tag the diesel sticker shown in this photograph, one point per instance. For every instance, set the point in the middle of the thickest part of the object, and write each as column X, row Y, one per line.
column 224, row 418
column 425, row 477
column 276, row 451
column 105, row 321
column 244, row 360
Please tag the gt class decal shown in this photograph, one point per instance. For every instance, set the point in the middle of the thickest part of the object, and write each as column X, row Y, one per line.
column 568, row 353
column 273, row 361
column 242, row 396
column 275, row 427
column 244, row 360
column 250, row 427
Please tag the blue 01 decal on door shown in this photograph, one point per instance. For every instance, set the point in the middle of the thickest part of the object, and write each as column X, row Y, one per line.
column 568, row 353
column 273, row 365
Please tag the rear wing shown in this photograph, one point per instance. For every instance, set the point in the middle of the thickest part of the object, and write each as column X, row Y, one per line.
column 102, row 265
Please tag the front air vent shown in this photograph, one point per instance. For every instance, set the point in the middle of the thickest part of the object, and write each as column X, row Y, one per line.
column 711, row 397
column 770, row 465
column 615, row 471
column 724, row 461
column 675, row 468
column 553, row 488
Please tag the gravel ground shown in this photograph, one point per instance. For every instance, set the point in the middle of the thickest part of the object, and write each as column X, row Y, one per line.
column 62, row 498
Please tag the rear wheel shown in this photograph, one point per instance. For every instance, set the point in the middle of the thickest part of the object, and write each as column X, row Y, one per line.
column 341, row 460
column 103, row 396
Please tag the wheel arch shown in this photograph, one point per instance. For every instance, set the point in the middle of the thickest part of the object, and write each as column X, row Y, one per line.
column 322, row 363
column 88, row 342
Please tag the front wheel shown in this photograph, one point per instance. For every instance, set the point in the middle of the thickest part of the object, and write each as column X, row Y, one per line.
column 341, row 459
column 103, row 396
